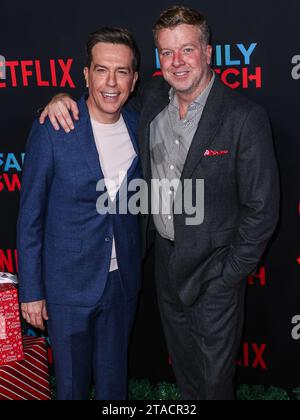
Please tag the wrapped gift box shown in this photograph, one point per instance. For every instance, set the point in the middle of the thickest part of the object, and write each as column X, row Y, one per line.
column 27, row 379
column 8, row 278
column 11, row 348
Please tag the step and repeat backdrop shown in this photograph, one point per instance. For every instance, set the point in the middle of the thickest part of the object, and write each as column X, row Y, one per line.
column 256, row 51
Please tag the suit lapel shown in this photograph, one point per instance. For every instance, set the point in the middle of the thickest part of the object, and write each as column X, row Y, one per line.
column 206, row 131
column 86, row 140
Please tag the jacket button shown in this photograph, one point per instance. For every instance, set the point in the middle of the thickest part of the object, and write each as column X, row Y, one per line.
column 107, row 239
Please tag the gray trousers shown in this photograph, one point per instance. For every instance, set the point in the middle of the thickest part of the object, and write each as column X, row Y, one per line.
column 203, row 339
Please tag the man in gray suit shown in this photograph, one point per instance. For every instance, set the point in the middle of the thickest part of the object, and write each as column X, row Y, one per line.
column 192, row 127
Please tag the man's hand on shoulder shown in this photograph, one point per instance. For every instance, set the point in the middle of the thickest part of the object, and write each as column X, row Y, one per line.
column 35, row 313
column 58, row 111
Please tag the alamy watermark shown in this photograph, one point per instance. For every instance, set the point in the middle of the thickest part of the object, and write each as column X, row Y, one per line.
column 163, row 197
column 2, row 68
column 296, row 68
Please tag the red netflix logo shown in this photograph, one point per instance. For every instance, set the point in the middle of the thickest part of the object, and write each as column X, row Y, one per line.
column 20, row 73
column 253, row 356
column 235, row 78
column 9, row 260
column 10, row 183
column 258, row 278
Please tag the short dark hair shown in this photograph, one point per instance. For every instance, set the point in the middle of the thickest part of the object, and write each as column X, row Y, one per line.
column 180, row 15
column 118, row 36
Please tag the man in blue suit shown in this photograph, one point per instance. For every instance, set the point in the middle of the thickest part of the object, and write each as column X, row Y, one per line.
column 79, row 269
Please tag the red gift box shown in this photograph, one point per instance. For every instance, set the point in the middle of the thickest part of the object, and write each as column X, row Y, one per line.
column 11, row 348
column 28, row 379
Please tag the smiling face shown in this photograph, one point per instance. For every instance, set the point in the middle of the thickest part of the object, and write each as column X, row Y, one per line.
column 185, row 59
column 110, row 80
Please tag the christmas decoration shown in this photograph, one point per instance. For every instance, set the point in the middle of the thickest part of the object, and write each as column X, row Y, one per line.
column 27, row 379
column 11, row 348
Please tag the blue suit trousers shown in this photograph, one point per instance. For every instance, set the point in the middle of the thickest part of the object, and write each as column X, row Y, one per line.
column 90, row 344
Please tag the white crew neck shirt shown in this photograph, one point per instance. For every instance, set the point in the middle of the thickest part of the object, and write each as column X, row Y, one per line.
column 116, row 154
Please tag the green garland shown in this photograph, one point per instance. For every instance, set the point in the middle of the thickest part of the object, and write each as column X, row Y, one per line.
column 259, row 392
column 144, row 390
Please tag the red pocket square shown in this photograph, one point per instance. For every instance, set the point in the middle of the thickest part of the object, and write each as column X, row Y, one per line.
column 216, row 152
